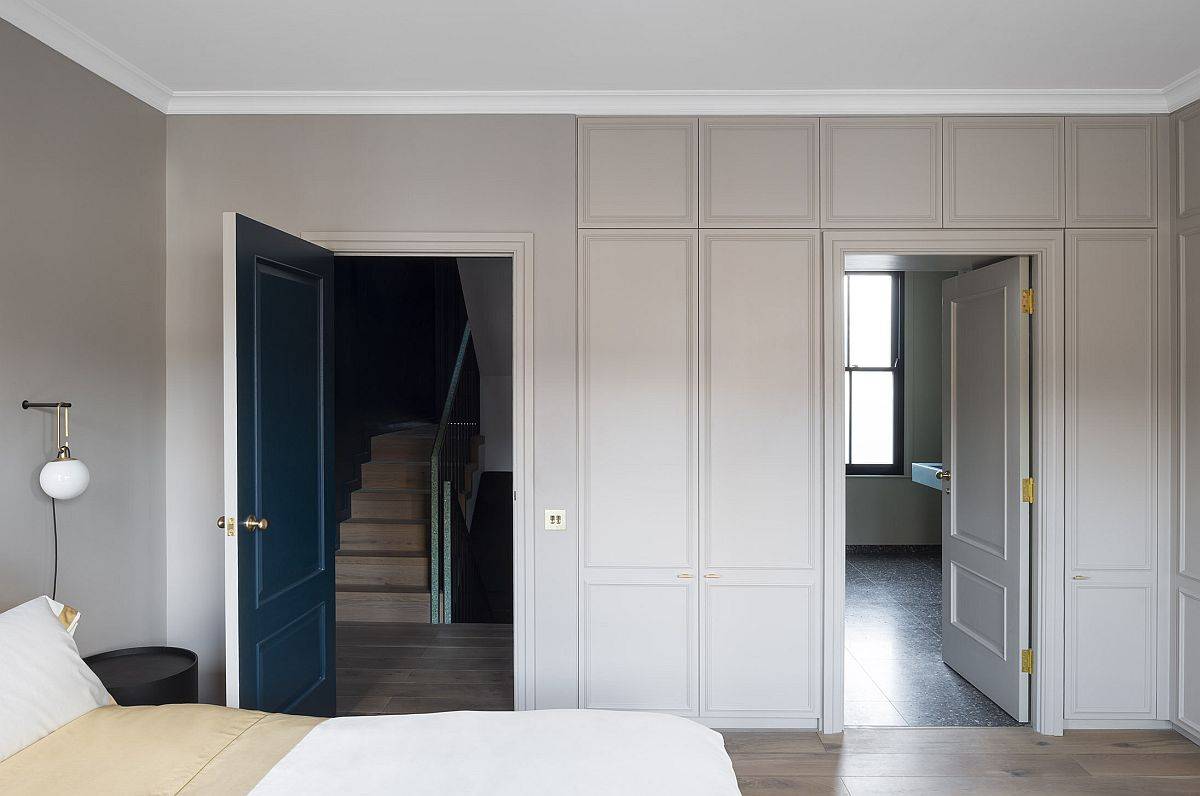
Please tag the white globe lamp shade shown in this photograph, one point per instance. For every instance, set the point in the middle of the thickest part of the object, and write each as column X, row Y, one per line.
column 64, row 478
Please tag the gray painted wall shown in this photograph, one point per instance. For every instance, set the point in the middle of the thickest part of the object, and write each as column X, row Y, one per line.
column 81, row 319
column 421, row 173
column 487, row 288
column 893, row 509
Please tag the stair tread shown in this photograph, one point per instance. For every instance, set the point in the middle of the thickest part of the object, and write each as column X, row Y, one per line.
column 414, row 462
column 357, row 589
column 383, row 553
column 391, row 490
column 384, row 521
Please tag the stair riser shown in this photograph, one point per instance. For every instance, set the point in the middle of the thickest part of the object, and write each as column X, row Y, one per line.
column 412, row 448
column 389, row 475
column 382, row 607
column 367, row 537
column 383, row 571
column 366, row 505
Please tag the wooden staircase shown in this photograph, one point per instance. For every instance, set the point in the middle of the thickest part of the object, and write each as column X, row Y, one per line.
column 383, row 562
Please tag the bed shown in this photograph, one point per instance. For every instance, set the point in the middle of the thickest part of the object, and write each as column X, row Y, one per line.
column 60, row 733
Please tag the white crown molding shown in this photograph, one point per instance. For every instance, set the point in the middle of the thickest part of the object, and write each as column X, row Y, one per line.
column 1183, row 91
column 641, row 103
column 58, row 34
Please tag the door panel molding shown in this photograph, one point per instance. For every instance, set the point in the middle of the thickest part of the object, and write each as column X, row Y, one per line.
column 778, row 184
column 1111, row 319
column 1098, row 649
column 1101, row 176
column 637, row 172
column 994, row 183
column 960, row 574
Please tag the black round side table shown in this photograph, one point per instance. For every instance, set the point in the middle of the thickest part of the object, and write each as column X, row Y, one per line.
column 147, row 675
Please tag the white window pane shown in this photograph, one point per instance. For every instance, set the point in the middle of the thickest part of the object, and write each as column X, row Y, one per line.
column 871, row 424
column 847, row 437
column 869, row 320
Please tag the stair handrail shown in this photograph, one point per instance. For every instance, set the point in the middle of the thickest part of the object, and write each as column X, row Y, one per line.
column 439, row 495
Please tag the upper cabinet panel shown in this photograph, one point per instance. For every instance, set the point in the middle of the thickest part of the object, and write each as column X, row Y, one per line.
column 1004, row 171
column 1188, row 135
column 1112, row 170
column 758, row 172
column 637, row 172
column 881, row 172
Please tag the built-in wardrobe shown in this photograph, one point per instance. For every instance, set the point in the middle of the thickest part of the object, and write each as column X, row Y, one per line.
column 701, row 398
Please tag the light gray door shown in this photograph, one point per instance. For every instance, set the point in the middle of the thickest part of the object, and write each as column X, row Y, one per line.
column 985, row 448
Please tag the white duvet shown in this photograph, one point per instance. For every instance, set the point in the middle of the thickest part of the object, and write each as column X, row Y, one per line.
column 567, row 752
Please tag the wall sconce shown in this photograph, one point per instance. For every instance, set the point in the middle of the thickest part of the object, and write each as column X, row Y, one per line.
column 63, row 477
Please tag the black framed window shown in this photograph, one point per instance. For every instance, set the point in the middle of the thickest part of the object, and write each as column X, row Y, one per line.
column 874, row 359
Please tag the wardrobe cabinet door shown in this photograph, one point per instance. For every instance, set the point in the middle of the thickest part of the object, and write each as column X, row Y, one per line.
column 881, row 172
column 1004, row 171
column 761, row 651
column 637, row 172
column 1187, row 135
column 640, row 643
column 637, row 396
column 1113, row 477
column 1112, row 171
column 758, row 172
column 1186, row 589
column 759, row 477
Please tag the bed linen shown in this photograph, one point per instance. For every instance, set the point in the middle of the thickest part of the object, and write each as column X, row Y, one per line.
column 206, row 749
column 168, row 749
column 560, row 752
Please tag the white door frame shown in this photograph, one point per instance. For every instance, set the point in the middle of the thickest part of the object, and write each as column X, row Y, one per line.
column 1048, row 450
column 517, row 247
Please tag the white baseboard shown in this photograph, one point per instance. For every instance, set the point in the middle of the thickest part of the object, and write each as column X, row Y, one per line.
column 1117, row 724
column 743, row 723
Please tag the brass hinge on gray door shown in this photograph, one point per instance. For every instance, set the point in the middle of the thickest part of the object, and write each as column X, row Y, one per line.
column 1027, row 490
column 1027, row 301
column 1026, row 661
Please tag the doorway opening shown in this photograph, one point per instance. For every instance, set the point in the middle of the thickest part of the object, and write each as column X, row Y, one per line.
column 424, row 424
column 937, row 455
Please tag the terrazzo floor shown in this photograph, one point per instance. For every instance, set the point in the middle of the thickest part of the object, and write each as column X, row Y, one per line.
column 895, row 676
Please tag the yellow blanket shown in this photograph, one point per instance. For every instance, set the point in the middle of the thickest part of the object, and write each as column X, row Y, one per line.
column 155, row 750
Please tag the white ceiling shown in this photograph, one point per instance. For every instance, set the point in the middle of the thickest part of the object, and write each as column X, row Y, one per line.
column 846, row 55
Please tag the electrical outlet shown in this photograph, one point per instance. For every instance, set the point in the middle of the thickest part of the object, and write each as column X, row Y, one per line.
column 556, row 520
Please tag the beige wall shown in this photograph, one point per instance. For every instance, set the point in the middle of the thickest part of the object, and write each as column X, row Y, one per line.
column 423, row 173
column 81, row 319
column 892, row 509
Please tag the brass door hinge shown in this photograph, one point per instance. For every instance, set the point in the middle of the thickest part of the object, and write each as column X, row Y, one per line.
column 1028, row 491
column 1026, row 661
column 1027, row 301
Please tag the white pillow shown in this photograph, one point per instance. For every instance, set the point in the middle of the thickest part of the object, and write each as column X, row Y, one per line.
column 45, row 683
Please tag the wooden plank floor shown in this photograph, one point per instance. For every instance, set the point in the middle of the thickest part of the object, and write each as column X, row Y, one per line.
column 421, row 668
column 399, row 667
column 936, row 761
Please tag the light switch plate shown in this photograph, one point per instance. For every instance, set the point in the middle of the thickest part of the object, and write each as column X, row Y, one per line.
column 556, row 519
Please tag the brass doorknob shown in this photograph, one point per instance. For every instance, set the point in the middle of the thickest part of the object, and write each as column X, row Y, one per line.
column 252, row 523
column 221, row 522
column 942, row 475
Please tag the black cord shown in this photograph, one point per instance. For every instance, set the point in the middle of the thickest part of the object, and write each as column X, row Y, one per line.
column 54, row 518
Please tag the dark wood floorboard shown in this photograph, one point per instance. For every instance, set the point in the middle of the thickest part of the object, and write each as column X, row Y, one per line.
column 394, row 668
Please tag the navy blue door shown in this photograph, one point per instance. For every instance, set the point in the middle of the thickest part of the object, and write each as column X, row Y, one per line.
column 284, row 309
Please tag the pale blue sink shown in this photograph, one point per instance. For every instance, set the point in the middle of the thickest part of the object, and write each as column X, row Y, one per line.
column 925, row 473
